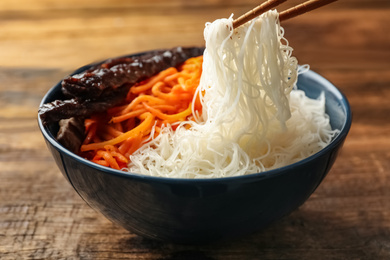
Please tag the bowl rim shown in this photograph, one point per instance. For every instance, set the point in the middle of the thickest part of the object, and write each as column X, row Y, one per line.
column 260, row 175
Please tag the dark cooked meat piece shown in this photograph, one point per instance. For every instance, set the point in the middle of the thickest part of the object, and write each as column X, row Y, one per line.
column 71, row 133
column 62, row 109
column 114, row 73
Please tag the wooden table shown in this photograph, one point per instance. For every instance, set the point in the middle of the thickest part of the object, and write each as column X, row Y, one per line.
column 41, row 217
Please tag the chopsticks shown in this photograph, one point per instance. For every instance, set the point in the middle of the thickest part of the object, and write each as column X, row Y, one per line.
column 287, row 14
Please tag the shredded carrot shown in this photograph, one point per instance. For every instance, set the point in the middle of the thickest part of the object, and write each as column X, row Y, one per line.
column 159, row 77
column 140, row 99
column 128, row 115
column 170, row 118
column 139, row 130
column 166, row 98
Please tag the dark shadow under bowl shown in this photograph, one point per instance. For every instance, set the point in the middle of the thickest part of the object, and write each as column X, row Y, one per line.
column 203, row 210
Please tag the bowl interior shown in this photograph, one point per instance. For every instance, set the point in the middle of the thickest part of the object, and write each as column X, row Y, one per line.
column 336, row 106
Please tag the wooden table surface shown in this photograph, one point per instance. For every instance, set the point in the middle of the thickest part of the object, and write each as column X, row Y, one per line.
column 41, row 217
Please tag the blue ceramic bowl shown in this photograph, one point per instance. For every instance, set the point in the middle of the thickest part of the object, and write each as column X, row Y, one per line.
column 203, row 210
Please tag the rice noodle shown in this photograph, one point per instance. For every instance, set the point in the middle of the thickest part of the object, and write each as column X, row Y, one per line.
column 253, row 117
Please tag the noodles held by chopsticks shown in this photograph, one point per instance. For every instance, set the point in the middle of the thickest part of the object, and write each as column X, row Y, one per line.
column 253, row 118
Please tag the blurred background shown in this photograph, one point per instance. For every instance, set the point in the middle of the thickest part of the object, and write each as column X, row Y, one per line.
column 80, row 31
column 41, row 41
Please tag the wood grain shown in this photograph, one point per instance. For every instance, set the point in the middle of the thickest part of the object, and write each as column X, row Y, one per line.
column 41, row 217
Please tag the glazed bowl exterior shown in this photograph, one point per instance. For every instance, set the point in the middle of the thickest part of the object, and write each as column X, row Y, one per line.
column 194, row 211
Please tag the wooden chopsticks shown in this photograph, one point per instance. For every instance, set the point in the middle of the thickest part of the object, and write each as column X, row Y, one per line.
column 303, row 8
column 287, row 14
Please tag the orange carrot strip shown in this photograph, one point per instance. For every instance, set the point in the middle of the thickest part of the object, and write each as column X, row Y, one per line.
column 181, row 81
column 101, row 162
column 119, row 157
column 160, row 76
column 172, row 77
column 109, row 159
column 110, row 148
column 166, row 89
column 136, row 143
column 125, row 146
column 134, row 132
column 156, row 89
column 189, row 66
column 175, row 117
column 143, row 115
column 177, row 75
column 169, row 108
column 114, row 152
column 126, row 116
column 177, row 93
column 140, row 99
column 90, row 134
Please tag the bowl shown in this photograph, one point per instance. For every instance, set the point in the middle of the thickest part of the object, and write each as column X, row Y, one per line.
column 198, row 211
